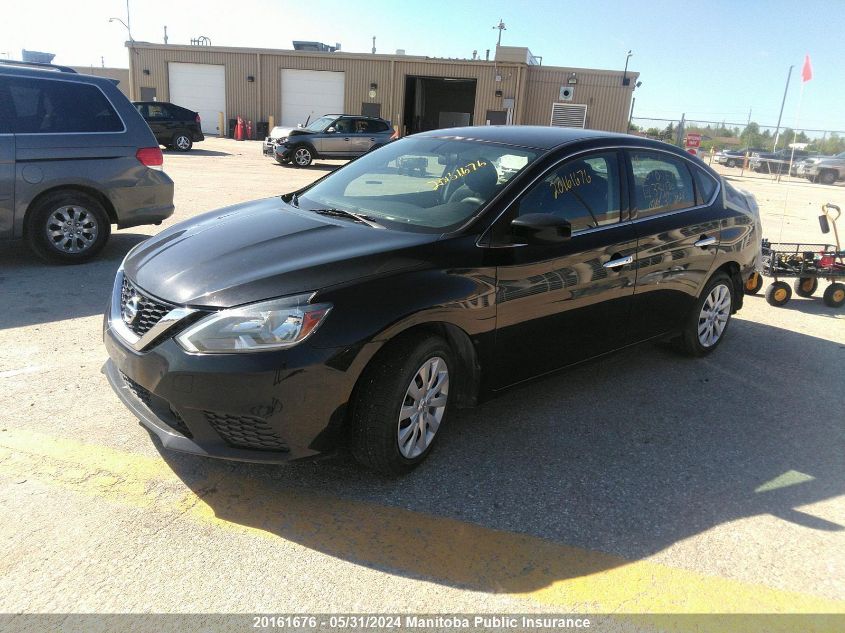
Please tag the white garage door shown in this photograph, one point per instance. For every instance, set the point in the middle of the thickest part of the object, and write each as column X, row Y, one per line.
column 310, row 93
column 201, row 88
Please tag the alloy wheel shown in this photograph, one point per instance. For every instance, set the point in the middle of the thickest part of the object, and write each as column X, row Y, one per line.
column 183, row 142
column 714, row 315
column 302, row 157
column 72, row 229
column 423, row 407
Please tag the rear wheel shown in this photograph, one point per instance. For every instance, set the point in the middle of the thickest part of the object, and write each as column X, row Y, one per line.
column 778, row 294
column 806, row 286
column 708, row 321
column 67, row 227
column 731, row 162
column 401, row 401
column 302, row 156
column 753, row 283
column 834, row 295
column 182, row 142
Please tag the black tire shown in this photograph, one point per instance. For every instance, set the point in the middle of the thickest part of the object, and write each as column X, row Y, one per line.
column 731, row 163
column 61, row 210
column 834, row 295
column 380, row 395
column 827, row 177
column 778, row 294
column 690, row 342
column 805, row 286
column 302, row 156
column 182, row 142
column 753, row 283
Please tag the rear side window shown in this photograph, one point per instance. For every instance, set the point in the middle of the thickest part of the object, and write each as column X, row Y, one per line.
column 376, row 126
column 55, row 107
column 662, row 183
column 705, row 184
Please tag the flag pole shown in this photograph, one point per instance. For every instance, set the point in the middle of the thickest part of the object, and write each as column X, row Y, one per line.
column 806, row 75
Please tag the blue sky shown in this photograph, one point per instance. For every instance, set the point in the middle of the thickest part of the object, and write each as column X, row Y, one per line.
column 711, row 60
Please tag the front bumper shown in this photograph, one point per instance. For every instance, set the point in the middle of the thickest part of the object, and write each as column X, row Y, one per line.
column 807, row 170
column 269, row 407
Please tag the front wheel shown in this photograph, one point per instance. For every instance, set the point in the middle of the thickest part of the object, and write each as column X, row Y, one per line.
column 731, row 162
column 400, row 404
column 302, row 156
column 834, row 295
column 182, row 142
column 708, row 321
column 778, row 294
column 67, row 227
column 827, row 177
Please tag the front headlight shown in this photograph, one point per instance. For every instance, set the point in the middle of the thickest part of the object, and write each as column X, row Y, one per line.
column 282, row 141
column 268, row 325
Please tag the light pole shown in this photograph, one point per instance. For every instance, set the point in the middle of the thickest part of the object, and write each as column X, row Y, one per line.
column 125, row 25
column 625, row 80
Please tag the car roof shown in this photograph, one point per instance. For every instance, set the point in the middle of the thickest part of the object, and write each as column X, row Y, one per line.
column 533, row 136
column 54, row 73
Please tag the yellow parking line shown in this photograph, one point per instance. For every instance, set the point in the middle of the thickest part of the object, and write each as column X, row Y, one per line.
column 446, row 550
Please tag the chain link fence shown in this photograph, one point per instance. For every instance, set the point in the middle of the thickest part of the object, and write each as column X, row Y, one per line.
column 721, row 135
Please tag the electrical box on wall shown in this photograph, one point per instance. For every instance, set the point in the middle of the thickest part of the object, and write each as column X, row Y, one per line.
column 567, row 93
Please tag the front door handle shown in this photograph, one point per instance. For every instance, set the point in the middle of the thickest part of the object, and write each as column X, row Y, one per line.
column 346, row 139
column 705, row 241
column 621, row 261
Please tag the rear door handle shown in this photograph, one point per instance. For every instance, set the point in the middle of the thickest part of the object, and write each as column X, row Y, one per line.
column 704, row 242
column 615, row 263
column 346, row 139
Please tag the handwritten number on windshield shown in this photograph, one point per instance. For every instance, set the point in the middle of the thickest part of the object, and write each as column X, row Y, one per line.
column 460, row 172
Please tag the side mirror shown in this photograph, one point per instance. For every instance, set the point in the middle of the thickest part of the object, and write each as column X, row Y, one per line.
column 541, row 228
column 330, row 130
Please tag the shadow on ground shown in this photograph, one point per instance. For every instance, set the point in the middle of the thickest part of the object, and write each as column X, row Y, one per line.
column 196, row 152
column 624, row 456
column 32, row 291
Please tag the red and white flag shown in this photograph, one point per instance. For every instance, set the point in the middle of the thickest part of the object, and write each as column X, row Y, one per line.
column 807, row 70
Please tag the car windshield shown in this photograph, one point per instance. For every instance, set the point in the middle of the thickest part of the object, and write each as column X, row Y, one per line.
column 320, row 124
column 428, row 185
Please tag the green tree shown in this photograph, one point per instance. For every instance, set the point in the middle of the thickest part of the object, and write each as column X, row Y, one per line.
column 668, row 133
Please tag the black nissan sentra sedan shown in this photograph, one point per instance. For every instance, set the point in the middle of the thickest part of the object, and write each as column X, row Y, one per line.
column 360, row 311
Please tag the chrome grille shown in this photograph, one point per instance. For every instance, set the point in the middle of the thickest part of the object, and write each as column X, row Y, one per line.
column 150, row 311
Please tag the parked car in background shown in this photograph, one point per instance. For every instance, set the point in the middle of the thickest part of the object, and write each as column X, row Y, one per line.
column 333, row 136
column 174, row 126
column 75, row 158
column 776, row 162
column 735, row 157
column 824, row 169
column 425, row 276
column 278, row 133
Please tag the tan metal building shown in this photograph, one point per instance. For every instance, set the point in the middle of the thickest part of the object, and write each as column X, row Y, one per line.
column 120, row 74
column 415, row 93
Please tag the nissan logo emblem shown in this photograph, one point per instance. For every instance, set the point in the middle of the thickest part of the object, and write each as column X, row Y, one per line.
column 131, row 310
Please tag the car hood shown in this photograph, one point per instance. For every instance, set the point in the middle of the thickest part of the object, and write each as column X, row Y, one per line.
column 265, row 249
column 280, row 132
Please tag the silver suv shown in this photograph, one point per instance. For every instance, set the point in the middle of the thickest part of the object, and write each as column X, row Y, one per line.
column 75, row 158
column 332, row 136
column 824, row 169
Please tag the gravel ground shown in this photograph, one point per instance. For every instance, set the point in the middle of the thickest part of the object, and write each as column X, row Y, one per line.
column 634, row 483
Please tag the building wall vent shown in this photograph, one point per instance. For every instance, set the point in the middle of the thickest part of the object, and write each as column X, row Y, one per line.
column 569, row 115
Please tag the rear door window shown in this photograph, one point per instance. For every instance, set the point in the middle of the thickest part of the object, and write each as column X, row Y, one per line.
column 47, row 106
column 662, row 183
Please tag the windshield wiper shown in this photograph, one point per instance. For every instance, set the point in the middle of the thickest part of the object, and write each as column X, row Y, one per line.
column 343, row 213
